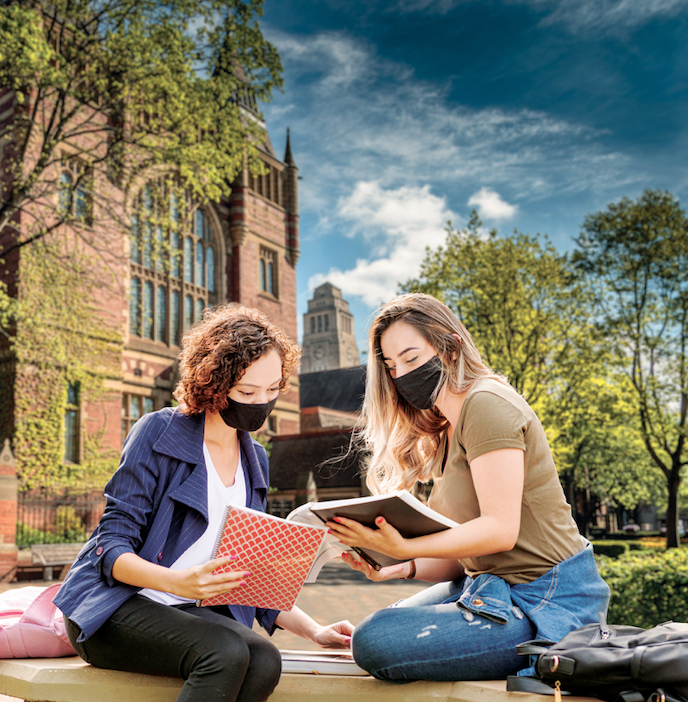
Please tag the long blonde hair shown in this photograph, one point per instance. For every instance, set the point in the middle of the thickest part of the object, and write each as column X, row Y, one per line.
column 401, row 440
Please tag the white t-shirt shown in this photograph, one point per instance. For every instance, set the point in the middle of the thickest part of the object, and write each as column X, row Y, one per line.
column 201, row 551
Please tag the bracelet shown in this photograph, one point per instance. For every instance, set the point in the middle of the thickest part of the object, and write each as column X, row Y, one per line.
column 412, row 570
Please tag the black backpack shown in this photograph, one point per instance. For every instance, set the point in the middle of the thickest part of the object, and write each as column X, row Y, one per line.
column 611, row 662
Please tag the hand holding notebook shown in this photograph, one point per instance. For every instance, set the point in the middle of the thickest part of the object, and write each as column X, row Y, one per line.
column 278, row 554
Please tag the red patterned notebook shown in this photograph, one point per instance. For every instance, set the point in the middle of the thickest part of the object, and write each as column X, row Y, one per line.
column 278, row 554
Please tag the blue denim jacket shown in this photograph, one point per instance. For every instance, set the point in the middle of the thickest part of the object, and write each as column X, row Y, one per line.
column 555, row 603
column 157, row 506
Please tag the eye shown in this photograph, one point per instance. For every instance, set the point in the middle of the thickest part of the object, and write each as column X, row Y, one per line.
column 246, row 393
column 275, row 389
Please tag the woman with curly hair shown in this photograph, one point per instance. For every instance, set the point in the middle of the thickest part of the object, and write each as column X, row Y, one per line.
column 130, row 600
column 515, row 568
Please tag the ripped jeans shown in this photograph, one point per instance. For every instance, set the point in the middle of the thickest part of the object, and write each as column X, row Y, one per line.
column 428, row 637
column 469, row 629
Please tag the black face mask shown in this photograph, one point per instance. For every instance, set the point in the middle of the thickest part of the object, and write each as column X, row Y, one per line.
column 244, row 416
column 419, row 387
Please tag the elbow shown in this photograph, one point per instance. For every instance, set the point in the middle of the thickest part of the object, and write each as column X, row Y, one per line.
column 505, row 539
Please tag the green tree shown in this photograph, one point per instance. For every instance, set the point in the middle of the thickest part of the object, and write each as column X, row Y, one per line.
column 593, row 430
column 124, row 86
column 518, row 297
column 121, row 91
column 635, row 254
column 529, row 313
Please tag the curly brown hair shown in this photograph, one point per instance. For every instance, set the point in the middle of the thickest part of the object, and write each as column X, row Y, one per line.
column 217, row 351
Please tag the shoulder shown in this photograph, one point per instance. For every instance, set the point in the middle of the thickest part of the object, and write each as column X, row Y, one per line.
column 150, row 426
column 490, row 397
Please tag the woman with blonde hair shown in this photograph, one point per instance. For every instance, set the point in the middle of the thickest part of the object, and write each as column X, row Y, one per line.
column 130, row 600
column 515, row 568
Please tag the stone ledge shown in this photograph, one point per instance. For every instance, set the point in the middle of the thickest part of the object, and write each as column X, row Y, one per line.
column 72, row 680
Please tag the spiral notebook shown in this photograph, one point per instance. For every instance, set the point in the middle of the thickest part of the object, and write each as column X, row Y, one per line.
column 279, row 555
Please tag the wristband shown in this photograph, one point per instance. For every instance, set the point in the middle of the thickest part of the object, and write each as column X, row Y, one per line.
column 412, row 570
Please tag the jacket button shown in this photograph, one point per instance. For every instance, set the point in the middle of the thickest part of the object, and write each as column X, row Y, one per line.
column 99, row 551
column 160, row 556
column 477, row 602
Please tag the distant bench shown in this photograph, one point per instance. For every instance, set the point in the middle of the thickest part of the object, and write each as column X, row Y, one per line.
column 72, row 680
column 54, row 556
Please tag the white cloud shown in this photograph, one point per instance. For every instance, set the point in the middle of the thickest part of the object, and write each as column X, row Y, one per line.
column 397, row 225
column 491, row 206
column 372, row 119
column 605, row 14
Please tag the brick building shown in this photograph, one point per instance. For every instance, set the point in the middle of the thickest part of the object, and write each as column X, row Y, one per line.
column 243, row 248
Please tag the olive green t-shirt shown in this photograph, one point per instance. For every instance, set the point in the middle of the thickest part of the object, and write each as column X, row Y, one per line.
column 494, row 416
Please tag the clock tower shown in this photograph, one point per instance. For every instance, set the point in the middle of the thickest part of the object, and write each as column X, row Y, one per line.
column 329, row 341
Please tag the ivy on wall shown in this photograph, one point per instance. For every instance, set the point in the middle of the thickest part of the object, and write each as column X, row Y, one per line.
column 61, row 337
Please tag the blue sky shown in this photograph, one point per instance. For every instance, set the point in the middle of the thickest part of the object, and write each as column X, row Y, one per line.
column 407, row 113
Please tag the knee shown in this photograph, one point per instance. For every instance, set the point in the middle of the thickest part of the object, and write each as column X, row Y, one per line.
column 226, row 655
column 371, row 646
column 266, row 661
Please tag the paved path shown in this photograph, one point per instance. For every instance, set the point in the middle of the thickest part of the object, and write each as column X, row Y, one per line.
column 340, row 593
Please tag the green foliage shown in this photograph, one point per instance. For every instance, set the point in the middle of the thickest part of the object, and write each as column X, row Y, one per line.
column 60, row 338
column 614, row 548
column 647, row 589
column 132, row 85
column 517, row 296
column 68, row 528
column 635, row 255
column 529, row 312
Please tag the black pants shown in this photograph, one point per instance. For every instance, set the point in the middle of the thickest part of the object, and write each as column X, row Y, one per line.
column 220, row 659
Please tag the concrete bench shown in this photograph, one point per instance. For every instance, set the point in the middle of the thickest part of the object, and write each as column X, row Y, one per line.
column 72, row 680
column 54, row 555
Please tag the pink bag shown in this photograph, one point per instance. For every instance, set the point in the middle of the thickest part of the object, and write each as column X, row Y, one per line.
column 30, row 624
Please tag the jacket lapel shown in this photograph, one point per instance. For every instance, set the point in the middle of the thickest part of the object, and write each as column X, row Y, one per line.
column 255, row 472
column 183, row 440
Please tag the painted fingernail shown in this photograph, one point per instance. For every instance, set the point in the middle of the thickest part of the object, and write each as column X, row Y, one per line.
column 336, row 519
column 246, row 573
column 379, row 520
column 242, row 583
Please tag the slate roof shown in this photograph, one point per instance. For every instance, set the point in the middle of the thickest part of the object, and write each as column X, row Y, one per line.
column 340, row 389
column 291, row 457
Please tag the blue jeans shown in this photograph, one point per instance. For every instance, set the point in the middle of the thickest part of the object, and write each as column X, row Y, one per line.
column 469, row 629
column 428, row 637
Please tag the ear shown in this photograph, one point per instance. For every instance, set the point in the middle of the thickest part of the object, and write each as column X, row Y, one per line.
column 457, row 337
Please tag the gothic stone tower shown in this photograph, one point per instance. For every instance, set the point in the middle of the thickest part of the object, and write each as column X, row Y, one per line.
column 328, row 332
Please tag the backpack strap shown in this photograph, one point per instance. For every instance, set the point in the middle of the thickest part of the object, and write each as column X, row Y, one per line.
column 530, row 648
column 523, row 683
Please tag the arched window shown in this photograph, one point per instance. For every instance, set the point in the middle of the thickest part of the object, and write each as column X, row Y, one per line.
column 161, row 314
column 173, row 263
column 148, row 310
column 199, row 277
column 188, row 311
column 188, row 260
column 210, row 268
column 174, row 318
column 175, row 254
column 135, row 306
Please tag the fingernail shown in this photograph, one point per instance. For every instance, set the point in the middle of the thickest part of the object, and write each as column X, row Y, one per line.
column 246, row 574
column 243, row 582
column 379, row 520
column 234, row 557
